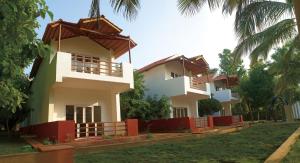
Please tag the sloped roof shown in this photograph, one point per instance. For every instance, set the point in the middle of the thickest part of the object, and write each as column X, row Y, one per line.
column 106, row 35
column 190, row 64
column 233, row 80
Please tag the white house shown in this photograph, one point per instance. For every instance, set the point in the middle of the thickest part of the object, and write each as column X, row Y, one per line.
column 220, row 89
column 81, row 79
column 175, row 77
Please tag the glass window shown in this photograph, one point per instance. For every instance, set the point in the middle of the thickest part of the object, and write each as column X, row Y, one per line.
column 179, row 112
column 97, row 114
column 79, row 114
column 88, row 114
column 69, row 112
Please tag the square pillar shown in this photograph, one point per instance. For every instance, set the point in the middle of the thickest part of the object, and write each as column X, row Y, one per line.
column 115, row 107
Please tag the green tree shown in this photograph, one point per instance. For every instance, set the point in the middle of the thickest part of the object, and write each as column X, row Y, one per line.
column 259, row 25
column 134, row 104
column 286, row 69
column 228, row 66
column 256, row 89
column 208, row 106
column 18, row 47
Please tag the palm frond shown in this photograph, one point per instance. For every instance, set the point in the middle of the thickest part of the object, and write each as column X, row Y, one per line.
column 259, row 44
column 191, row 7
column 257, row 15
column 129, row 8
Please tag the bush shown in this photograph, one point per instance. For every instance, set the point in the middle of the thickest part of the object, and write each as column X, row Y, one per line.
column 208, row 106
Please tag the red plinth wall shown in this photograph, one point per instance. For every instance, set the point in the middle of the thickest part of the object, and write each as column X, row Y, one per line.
column 226, row 120
column 210, row 122
column 60, row 131
column 132, row 127
column 168, row 125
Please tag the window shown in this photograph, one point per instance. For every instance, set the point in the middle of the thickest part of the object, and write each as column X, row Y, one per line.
column 83, row 114
column 97, row 114
column 79, row 114
column 88, row 114
column 174, row 75
column 179, row 112
column 69, row 112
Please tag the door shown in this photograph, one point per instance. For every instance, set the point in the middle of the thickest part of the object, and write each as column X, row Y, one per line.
column 80, row 114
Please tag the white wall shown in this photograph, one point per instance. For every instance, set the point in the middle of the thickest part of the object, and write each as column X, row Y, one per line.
column 190, row 104
column 296, row 110
column 108, row 101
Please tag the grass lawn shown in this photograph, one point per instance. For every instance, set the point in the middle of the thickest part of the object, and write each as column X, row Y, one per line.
column 254, row 144
column 294, row 154
column 11, row 145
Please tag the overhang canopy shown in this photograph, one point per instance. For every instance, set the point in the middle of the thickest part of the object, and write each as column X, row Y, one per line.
column 107, row 35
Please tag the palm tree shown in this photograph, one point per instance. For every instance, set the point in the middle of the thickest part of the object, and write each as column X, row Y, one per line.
column 285, row 67
column 129, row 8
column 260, row 25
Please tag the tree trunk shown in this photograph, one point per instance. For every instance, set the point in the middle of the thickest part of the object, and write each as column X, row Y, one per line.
column 288, row 113
column 7, row 127
column 297, row 12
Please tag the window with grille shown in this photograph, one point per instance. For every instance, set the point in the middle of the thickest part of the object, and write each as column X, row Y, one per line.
column 179, row 112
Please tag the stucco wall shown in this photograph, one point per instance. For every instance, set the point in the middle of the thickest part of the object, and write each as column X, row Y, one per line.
column 108, row 101
column 40, row 90
column 190, row 104
column 82, row 46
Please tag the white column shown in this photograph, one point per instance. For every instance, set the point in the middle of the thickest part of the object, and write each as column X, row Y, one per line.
column 197, row 114
column 171, row 110
column 115, row 107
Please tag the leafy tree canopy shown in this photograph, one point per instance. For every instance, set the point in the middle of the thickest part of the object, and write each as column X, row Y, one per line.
column 208, row 106
column 18, row 47
column 134, row 104
column 229, row 66
column 257, row 88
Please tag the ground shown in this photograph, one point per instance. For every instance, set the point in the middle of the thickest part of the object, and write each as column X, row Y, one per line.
column 254, row 144
column 294, row 154
column 13, row 144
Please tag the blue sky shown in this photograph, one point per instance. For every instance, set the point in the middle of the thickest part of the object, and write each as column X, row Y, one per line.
column 160, row 30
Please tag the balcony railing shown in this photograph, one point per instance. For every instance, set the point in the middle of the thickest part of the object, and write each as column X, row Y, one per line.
column 196, row 84
column 95, row 65
column 235, row 95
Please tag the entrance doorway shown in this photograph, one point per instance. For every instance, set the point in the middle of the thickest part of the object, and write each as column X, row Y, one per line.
column 83, row 114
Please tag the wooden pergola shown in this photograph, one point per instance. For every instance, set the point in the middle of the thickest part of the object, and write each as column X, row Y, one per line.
column 106, row 34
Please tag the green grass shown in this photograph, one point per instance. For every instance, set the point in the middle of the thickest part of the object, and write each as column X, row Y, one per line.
column 13, row 145
column 294, row 155
column 254, row 144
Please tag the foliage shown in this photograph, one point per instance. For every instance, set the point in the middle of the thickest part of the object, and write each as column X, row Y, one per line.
column 129, row 8
column 134, row 104
column 208, row 106
column 18, row 47
column 256, row 90
column 252, row 144
column 285, row 67
column 229, row 66
column 259, row 25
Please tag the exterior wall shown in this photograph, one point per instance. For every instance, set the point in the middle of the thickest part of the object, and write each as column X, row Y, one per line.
column 296, row 110
column 109, row 102
column 226, row 109
column 83, row 46
column 64, row 61
column 50, row 95
column 190, row 104
column 60, row 131
column 41, row 91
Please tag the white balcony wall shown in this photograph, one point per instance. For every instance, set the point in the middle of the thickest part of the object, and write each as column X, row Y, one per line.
column 223, row 95
column 63, row 66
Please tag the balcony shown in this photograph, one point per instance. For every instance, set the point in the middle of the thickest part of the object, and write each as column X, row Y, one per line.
column 95, row 65
column 93, row 72
column 195, row 84
column 182, row 85
column 226, row 95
